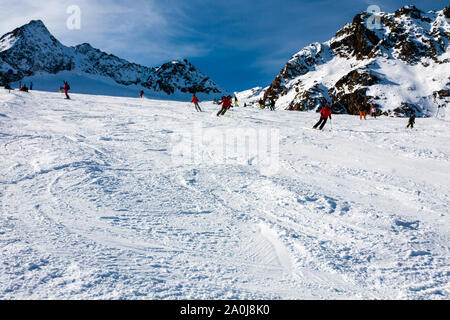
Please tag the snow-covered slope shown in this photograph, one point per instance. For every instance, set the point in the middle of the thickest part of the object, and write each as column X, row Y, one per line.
column 251, row 96
column 401, row 67
column 34, row 55
column 99, row 200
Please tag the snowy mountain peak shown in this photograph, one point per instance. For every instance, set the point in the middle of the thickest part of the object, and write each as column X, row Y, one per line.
column 85, row 47
column 30, row 49
column 182, row 76
column 410, row 11
column 33, row 32
column 446, row 12
column 35, row 25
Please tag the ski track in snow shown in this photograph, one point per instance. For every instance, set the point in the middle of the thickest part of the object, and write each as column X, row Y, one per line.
column 92, row 205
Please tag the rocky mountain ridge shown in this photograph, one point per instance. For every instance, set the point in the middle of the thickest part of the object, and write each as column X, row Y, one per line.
column 402, row 66
column 31, row 50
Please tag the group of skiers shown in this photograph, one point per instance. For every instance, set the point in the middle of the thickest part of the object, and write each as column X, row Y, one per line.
column 270, row 104
column 325, row 112
column 227, row 103
column 364, row 109
column 24, row 87
column 299, row 107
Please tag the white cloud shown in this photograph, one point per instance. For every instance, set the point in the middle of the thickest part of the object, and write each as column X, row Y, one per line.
column 139, row 28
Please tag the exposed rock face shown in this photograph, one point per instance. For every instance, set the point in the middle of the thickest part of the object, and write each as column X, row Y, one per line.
column 406, row 109
column 310, row 99
column 441, row 94
column 355, row 40
column 447, row 12
column 351, row 90
column 387, row 67
column 31, row 49
column 356, row 78
column 300, row 64
column 94, row 61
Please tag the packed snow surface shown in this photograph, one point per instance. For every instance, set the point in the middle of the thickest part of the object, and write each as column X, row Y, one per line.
column 96, row 205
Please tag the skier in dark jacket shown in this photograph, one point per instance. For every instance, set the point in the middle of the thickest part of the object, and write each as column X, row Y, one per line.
column 439, row 108
column 141, row 94
column 412, row 121
column 325, row 113
column 272, row 104
column 195, row 102
column 226, row 104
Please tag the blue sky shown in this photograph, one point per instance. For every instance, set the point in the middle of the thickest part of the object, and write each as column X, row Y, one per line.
column 239, row 44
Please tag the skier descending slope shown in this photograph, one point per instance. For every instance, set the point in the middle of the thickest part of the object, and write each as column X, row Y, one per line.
column 325, row 113
column 195, row 102
column 141, row 94
column 226, row 104
column 66, row 89
column 412, row 120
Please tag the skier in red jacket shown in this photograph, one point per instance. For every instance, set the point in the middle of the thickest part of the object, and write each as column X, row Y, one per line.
column 226, row 104
column 195, row 102
column 66, row 89
column 325, row 113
